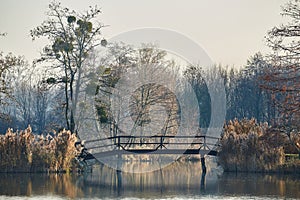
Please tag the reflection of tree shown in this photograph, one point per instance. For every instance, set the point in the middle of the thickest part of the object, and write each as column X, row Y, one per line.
column 26, row 184
column 177, row 176
column 260, row 184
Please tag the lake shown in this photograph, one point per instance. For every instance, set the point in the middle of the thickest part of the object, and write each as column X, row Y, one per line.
column 180, row 180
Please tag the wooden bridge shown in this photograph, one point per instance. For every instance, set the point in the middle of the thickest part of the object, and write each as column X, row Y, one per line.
column 168, row 145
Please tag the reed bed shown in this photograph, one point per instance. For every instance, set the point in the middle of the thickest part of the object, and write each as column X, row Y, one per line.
column 246, row 147
column 23, row 151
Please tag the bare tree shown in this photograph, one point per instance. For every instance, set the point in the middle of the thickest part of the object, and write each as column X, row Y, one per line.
column 7, row 63
column 133, row 80
column 283, row 78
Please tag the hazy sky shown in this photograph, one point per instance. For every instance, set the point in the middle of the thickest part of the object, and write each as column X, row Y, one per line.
column 230, row 31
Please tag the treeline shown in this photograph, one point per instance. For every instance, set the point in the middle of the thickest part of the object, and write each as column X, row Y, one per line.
column 29, row 100
column 33, row 101
column 245, row 95
column 26, row 98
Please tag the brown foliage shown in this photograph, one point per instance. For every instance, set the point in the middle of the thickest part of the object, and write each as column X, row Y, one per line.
column 25, row 152
column 282, row 79
column 245, row 147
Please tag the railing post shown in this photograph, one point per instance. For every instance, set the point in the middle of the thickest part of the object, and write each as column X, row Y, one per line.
column 118, row 144
column 161, row 142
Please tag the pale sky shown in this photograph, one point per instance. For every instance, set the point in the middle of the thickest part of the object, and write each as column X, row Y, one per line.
column 230, row 31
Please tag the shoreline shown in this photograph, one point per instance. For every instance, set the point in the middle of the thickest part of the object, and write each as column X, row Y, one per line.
column 287, row 168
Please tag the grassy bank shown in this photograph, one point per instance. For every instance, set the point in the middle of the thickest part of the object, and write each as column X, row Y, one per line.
column 251, row 147
column 23, row 151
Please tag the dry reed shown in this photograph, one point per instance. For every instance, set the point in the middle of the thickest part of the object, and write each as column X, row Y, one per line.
column 245, row 148
column 23, row 151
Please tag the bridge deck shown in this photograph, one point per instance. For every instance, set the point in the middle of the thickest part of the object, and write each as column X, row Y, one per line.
column 154, row 152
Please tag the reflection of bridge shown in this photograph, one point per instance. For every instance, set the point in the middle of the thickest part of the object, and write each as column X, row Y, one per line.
column 167, row 145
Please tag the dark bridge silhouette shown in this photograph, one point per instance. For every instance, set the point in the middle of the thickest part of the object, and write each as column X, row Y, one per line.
column 168, row 145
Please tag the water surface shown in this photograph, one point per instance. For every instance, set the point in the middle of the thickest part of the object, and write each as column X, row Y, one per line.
column 181, row 180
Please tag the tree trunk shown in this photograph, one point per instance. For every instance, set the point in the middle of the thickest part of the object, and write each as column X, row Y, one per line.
column 73, row 106
column 67, row 101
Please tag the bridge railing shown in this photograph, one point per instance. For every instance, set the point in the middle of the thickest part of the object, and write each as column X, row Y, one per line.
column 127, row 142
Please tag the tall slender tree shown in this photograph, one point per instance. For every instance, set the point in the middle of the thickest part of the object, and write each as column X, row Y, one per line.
column 72, row 37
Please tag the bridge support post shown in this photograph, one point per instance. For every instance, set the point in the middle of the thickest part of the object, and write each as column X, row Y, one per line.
column 119, row 172
column 202, row 183
column 203, row 164
column 119, row 179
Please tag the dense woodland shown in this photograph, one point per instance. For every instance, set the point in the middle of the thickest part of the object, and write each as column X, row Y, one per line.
column 51, row 93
